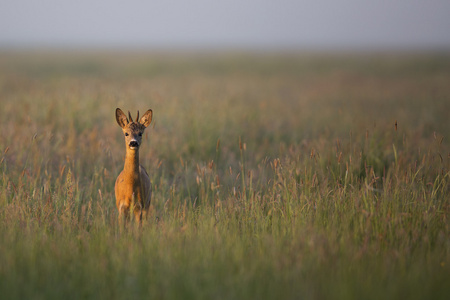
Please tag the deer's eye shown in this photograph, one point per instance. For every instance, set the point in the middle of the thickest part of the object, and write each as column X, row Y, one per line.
column 126, row 133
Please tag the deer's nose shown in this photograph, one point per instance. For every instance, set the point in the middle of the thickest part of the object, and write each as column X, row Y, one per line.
column 134, row 143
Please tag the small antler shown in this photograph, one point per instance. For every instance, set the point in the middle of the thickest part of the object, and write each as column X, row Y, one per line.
column 129, row 116
column 137, row 118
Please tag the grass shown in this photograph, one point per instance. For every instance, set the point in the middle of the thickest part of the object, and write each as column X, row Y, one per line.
column 274, row 177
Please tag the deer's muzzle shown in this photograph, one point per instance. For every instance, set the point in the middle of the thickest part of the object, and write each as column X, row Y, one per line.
column 133, row 144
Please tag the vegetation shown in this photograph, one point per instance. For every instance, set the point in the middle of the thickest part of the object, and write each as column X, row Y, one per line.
column 274, row 176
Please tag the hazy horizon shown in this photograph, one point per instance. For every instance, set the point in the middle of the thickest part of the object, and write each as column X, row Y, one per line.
column 202, row 24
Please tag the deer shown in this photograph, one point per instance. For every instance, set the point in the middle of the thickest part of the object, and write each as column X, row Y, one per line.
column 133, row 189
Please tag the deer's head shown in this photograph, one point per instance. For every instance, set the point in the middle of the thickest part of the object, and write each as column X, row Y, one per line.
column 133, row 130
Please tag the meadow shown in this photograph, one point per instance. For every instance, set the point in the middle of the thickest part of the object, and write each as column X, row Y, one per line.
column 275, row 176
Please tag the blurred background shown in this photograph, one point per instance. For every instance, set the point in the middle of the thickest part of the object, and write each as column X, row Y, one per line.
column 232, row 24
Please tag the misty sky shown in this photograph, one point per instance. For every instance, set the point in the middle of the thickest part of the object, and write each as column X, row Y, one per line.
column 227, row 23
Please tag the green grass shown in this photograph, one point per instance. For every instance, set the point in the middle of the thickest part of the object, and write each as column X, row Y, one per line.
column 274, row 177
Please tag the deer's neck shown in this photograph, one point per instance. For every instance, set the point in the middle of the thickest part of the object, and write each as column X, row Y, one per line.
column 131, row 168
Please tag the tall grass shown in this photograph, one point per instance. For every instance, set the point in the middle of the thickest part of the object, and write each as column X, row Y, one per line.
column 274, row 177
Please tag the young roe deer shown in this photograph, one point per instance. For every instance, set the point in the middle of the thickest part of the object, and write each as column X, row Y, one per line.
column 133, row 188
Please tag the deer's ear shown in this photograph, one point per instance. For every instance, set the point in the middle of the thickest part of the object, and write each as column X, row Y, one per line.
column 146, row 118
column 121, row 118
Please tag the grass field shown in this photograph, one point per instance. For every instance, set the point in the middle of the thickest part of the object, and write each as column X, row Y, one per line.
column 274, row 176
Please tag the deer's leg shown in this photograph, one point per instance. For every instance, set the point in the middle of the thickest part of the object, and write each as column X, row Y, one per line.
column 124, row 215
column 138, row 212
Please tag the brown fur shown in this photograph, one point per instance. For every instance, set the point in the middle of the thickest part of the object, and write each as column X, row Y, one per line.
column 133, row 188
